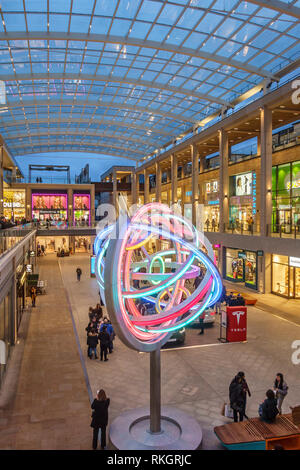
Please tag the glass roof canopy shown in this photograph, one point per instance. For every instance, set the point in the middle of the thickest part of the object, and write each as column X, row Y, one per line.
column 126, row 77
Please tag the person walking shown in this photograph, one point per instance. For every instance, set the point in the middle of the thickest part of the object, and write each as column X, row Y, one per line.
column 201, row 322
column 100, row 418
column 92, row 341
column 78, row 272
column 33, row 295
column 246, row 391
column 268, row 409
column 236, row 398
column 104, row 342
column 280, row 390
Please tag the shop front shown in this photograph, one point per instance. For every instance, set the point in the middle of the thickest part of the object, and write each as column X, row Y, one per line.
column 211, row 206
column 286, row 197
column 81, row 209
column 241, row 266
column 242, row 203
column 50, row 207
column 82, row 244
column 14, row 204
column 21, row 275
column 6, row 330
column 285, row 277
column 52, row 244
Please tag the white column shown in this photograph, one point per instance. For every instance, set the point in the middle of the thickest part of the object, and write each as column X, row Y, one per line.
column 133, row 188
column 174, row 179
column 195, row 185
column 115, row 193
column 224, row 181
column 158, row 182
column 265, row 170
column 146, row 187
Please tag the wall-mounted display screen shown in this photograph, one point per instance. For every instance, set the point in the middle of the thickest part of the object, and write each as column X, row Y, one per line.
column 49, row 201
column 81, row 209
column 51, row 207
column 243, row 184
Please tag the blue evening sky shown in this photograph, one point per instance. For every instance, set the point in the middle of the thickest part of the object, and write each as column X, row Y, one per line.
column 98, row 163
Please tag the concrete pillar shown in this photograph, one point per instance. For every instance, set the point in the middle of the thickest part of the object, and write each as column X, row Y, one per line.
column 92, row 208
column 28, row 204
column 14, row 174
column 258, row 144
column 265, row 212
column 137, row 187
column 202, row 161
column 224, row 180
column 174, row 179
column 133, row 188
column 158, row 182
column 115, row 192
column 1, row 181
column 195, row 184
column 146, row 187
column 70, row 207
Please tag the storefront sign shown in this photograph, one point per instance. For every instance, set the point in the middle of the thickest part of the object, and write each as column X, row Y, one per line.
column 236, row 324
column 242, row 255
column 260, row 253
column 294, row 262
column 29, row 268
column 32, row 254
column 213, row 203
column 254, row 194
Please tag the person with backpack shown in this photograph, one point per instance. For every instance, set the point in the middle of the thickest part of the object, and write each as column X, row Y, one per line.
column 78, row 272
column 268, row 409
column 92, row 341
column 280, row 390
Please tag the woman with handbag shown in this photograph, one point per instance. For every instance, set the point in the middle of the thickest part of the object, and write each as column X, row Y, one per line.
column 100, row 418
column 280, row 390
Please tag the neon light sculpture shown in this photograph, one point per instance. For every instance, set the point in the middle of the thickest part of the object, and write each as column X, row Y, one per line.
column 165, row 275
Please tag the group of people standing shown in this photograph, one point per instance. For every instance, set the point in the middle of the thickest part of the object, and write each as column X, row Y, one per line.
column 268, row 410
column 99, row 330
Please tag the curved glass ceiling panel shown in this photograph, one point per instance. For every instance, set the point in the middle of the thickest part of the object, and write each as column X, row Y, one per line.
column 138, row 66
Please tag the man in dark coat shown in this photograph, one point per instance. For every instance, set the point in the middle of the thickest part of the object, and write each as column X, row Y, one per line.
column 92, row 341
column 78, row 272
column 104, row 343
column 236, row 397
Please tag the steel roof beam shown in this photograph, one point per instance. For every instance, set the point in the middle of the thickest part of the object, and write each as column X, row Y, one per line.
column 40, row 144
column 24, row 122
column 77, row 132
column 277, row 5
column 78, row 102
column 42, row 35
column 110, row 78
column 76, row 150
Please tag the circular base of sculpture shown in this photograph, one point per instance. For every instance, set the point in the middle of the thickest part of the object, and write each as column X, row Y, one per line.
column 131, row 431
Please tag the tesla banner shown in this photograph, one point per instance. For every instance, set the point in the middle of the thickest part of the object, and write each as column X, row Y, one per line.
column 236, row 324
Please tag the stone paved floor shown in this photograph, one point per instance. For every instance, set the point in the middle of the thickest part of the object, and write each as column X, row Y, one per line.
column 194, row 379
column 44, row 402
column 51, row 393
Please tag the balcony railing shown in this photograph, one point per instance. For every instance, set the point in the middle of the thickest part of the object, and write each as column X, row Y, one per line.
column 284, row 230
column 242, row 228
column 11, row 237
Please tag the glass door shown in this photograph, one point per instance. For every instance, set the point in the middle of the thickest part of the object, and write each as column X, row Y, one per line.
column 291, row 282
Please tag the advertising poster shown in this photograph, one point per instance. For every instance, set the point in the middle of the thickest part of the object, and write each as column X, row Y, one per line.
column 46, row 202
column 243, row 184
